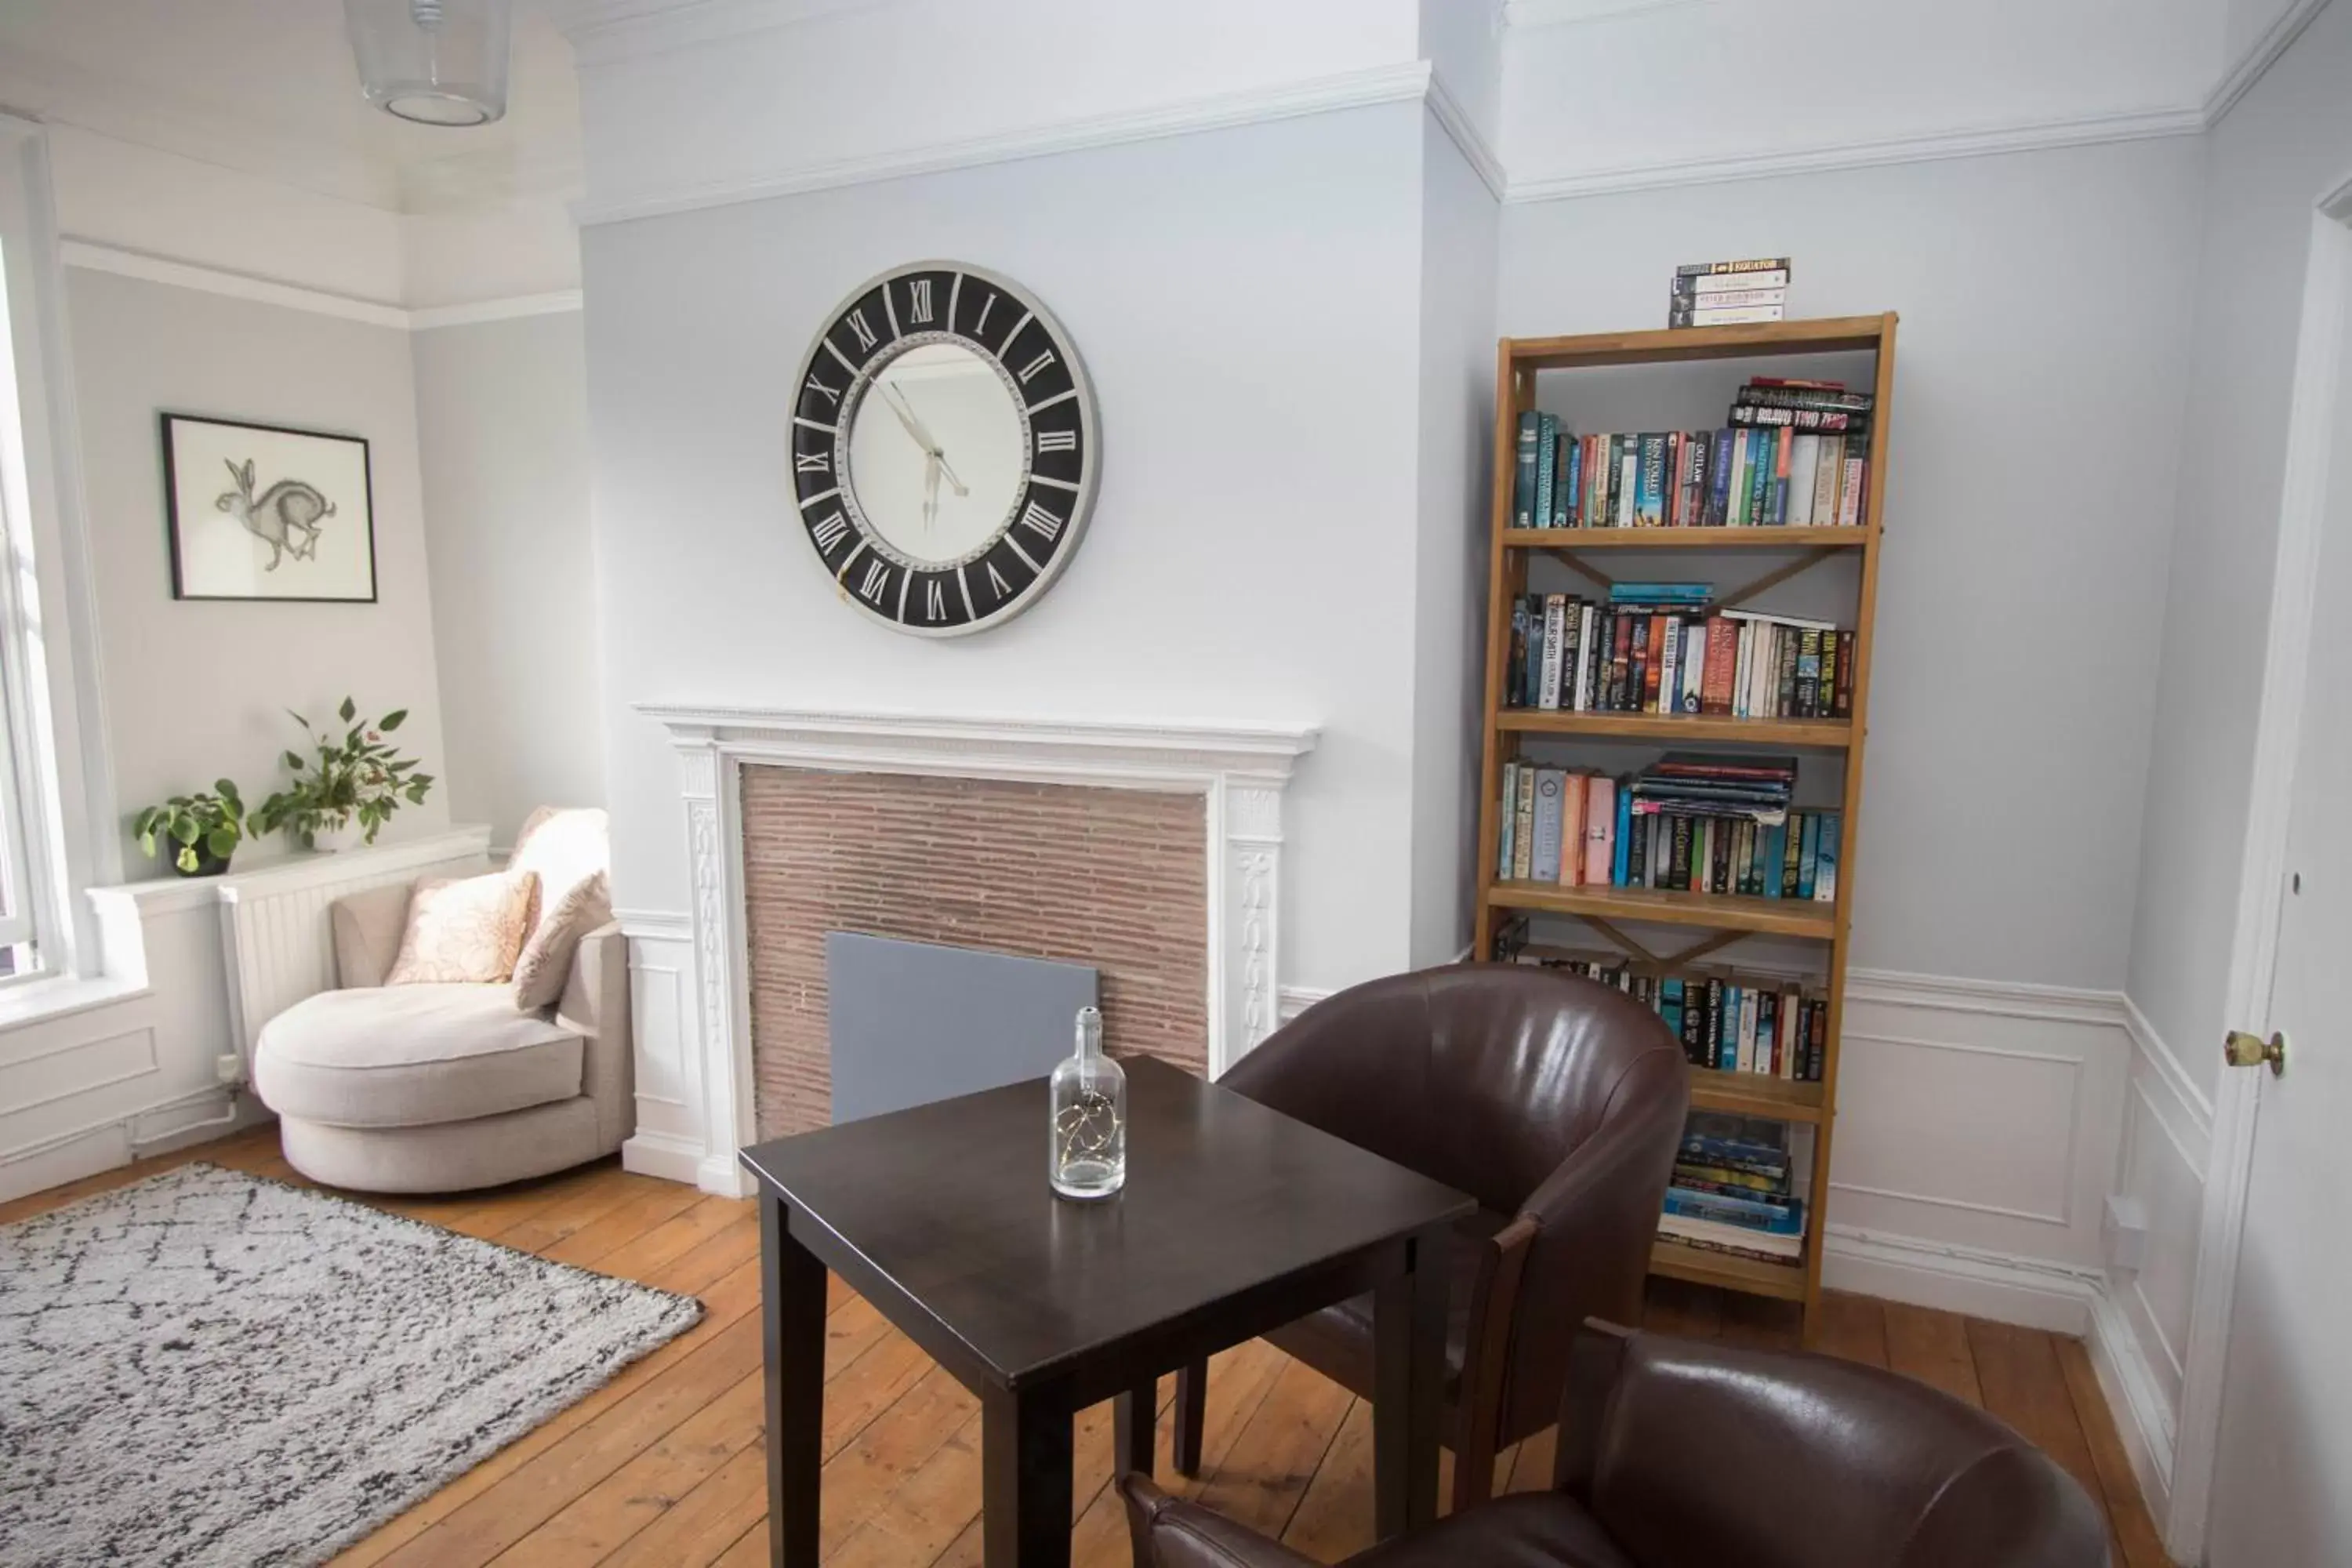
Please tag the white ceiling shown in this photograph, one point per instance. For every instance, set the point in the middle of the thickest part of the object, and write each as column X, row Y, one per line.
column 269, row 87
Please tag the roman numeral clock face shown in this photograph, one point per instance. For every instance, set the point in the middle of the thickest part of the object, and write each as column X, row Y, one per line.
column 943, row 448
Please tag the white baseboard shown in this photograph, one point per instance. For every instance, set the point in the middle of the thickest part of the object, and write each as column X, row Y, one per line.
column 1999, row 1286
column 662, row 1154
column 2136, row 1398
column 723, row 1176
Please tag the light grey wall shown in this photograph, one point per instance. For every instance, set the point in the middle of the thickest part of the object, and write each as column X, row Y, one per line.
column 1247, row 303
column 2285, row 144
column 502, row 425
column 195, row 690
column 1459, row 234
column 2039, row 394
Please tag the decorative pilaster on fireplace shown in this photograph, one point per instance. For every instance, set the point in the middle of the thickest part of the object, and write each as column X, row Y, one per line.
column 1241, row 770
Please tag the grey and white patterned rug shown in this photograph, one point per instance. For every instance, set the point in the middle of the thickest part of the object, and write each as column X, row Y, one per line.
column 208, row 1367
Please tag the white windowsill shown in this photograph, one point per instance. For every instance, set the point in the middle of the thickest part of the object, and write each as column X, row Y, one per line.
column 39, row 998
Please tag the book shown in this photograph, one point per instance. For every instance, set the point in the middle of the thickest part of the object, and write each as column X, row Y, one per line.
column 1508, row 821
column 1730, row 282
column 1572, row 836
column 1718, row 268
column 1684, row 315
column 1564, row 481
column 1555, row 635
column 1523, row 837
column 1544, row 851
column 1599, row 829
column 1523, row 489
column 1650, row 495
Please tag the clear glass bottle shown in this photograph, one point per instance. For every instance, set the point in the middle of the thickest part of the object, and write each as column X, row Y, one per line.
column 1089, row 1157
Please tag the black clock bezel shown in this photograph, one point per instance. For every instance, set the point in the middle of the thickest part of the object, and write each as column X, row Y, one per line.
column 1028, row 553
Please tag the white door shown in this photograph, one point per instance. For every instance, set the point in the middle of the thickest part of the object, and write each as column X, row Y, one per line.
column 2283, row 1485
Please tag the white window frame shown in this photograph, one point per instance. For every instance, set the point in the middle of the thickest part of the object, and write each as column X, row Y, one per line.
column 56, row 784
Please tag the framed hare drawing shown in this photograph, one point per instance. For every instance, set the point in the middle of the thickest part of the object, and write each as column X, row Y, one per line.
column 260, row 511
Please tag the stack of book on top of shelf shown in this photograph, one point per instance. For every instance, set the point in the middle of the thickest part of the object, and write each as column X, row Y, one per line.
column 1728, row 293
column 1688, row 823
column 1733, row 1189
column 1662, row 648
column 1728, row 1021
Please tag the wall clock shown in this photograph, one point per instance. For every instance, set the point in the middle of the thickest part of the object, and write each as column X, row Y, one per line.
column 944, row 448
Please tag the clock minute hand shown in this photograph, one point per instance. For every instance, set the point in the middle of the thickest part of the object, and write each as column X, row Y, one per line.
column 922, row 434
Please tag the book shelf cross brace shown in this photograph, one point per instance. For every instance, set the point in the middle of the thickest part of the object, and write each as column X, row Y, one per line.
column 1733, row 600
column 1695, row 951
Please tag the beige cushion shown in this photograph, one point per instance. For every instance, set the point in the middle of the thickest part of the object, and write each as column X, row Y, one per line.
column 546, row 961
column 411, row 1055
column 464, row 929
column 564, row 846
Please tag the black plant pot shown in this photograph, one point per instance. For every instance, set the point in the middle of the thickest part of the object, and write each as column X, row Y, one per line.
column 208, row 863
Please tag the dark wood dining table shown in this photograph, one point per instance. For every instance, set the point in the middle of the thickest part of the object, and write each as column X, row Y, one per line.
column 1234, row 1220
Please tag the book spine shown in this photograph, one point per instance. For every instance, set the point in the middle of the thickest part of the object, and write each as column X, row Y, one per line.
column 1784, row 452
column 1650, row 498
column 1535, row 603
column 1621, row 836
column 1547, row 469
column 1718, row 477
column 1752, row 414
column 1809, row 854
column 1515, row 687
column 1670, row 688
column 1804, row 480
column 1762, row 392
column 1759, row 476
column 1523, row 811
column 1600, row 817
column 1563, row 488
column 1523, row 490
column 1637, row 851
column 1844, row 688
column 1572, row 829
column 1829, row 463
column 1583, row 700
column 1702, row 284
column 1825, row 861
column 1682, row 314
column 1621, row 658
column 1629, row 479
column 1736, row 504
column 1747, row 264
column 1555, row 635
column 1720, row 664
column 1857, row 475
column 1589, row 481
column 1544, row 853
column 1508, row 824
column 1653, row 661
column 1784, row 679
column 1809, row 673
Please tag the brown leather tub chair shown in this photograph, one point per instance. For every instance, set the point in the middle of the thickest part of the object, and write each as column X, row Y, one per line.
column 1557, row 1103
column 1674, row 1453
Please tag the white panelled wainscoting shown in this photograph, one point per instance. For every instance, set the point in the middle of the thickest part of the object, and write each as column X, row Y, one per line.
column 154, row 1052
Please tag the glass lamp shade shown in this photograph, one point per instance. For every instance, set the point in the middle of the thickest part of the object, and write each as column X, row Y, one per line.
column 436, row 62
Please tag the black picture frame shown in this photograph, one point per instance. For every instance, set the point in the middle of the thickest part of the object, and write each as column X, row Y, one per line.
column 292, row 527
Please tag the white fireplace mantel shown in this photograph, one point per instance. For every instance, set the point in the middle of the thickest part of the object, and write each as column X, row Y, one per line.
column 1241, row 770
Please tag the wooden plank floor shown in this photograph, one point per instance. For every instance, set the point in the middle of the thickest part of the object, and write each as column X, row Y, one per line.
column 663, row 1467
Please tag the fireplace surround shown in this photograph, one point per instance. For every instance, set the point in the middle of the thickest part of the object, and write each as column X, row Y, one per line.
column 1238, row 772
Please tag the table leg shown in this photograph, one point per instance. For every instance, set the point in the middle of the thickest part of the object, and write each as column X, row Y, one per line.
column 792, row 1316
column 1024, row 1471
column 1135, row 1422
column 1408, row 1386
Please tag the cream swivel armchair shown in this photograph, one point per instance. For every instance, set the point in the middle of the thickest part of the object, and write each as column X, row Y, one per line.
column 445, row 1087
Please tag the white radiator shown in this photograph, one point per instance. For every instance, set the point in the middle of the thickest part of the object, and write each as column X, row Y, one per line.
column 275, row 939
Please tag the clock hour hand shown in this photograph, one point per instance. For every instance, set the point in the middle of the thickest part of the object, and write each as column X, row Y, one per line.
column 922, row 434
column 931, row 489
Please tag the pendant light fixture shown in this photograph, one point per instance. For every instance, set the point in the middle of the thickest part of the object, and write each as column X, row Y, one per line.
column 436, row 62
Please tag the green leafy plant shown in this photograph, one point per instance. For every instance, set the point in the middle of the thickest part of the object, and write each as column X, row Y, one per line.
column 210, row 823
column 359, row 777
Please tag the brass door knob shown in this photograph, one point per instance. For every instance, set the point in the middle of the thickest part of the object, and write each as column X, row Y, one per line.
column 2244, row 1050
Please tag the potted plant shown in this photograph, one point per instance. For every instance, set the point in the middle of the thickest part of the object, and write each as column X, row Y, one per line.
column 348, row 787
column 202, row 830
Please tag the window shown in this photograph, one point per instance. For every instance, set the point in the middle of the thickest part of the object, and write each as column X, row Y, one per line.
column 56, row 818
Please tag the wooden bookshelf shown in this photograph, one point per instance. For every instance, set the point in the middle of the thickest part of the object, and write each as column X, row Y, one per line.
column 1508, row 735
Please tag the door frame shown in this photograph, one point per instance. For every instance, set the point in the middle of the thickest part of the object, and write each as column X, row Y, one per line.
column 2323, row 374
